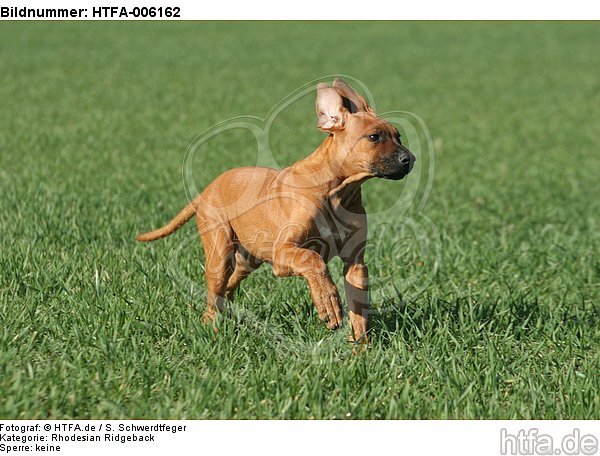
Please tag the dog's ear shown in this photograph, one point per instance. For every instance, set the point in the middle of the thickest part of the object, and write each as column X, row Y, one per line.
column 351, row 99
column 331, row 113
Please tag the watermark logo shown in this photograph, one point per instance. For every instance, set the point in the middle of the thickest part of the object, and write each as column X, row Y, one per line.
column 400, row 233
column 533, row 442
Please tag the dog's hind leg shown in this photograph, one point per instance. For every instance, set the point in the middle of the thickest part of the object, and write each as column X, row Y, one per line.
column 220, row 261
column 244, row 265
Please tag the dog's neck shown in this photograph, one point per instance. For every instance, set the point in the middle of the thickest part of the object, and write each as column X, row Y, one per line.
column 322, row 171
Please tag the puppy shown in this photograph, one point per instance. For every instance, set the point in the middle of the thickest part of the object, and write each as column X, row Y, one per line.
column 300, row 217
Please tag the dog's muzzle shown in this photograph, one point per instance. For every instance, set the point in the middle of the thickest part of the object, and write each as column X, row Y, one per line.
column 395, row 166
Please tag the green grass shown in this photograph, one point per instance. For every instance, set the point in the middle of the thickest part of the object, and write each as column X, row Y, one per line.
column 95, row 120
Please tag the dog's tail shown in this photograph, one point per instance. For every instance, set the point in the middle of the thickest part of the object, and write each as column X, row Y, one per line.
column 186, row 214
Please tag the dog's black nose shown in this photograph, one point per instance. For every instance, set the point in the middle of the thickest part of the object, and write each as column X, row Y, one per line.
column 404, row 158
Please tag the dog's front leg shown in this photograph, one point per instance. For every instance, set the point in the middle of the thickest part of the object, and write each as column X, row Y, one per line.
column 290, row 260
column 356, row 283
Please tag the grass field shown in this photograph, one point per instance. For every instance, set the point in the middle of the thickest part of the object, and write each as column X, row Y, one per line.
column 95, row 120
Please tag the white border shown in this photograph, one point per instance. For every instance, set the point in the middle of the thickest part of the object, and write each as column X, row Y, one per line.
column 349, row 9
column 301, row 438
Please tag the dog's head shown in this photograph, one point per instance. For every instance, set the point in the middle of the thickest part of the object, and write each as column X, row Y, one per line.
column 365, row 144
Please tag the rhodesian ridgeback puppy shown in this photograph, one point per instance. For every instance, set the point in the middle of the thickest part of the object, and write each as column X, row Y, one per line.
column 299, row 218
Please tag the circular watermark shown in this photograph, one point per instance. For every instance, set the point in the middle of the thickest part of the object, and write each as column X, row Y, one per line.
column 399, row 233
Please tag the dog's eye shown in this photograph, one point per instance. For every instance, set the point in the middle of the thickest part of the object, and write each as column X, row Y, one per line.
column 374, row 137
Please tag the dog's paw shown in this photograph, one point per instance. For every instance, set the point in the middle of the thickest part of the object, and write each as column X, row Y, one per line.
column 327, row 302
column 334, row 309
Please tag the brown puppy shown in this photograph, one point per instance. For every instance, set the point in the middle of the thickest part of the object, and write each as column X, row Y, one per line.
column 298, row 218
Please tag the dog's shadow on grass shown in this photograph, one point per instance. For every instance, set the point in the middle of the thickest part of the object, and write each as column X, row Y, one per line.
column 398, row 319
column 519, row 315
